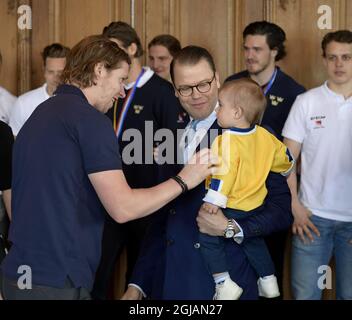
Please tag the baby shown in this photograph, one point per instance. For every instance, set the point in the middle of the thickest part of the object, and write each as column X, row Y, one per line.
column 247, row 154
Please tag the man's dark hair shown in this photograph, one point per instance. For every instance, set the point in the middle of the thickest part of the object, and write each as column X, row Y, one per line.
column 341, row 36
column 191, row 55
column 55, row 50
column 168, row 41
column 123, row 32
column 275, row 36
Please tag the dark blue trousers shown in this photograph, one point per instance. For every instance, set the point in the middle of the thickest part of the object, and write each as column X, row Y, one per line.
column 213, row 248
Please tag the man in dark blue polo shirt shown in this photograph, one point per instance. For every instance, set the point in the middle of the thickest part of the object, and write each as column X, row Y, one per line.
column 263, row 47
column 66, row 165
column 68, row 216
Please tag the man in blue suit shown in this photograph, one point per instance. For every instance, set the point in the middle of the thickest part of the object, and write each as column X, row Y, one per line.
column 170, row 265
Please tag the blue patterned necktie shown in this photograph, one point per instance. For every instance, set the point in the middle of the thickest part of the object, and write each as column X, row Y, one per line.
column 191, row 132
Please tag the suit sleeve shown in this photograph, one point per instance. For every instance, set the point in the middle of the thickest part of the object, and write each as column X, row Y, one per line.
column 148, row 270
column 277, row 214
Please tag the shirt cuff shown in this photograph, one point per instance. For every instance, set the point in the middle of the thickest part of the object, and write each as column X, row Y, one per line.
column 238, row 237
column 138, row 288
column 215, row 198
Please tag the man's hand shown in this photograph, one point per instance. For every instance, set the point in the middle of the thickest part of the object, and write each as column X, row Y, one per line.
column 132, row 293
column 211, row 224
column 302, row 225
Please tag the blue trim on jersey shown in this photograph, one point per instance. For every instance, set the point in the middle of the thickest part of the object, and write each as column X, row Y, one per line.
column 215, row 184
column 289, row 155
column 234, row 129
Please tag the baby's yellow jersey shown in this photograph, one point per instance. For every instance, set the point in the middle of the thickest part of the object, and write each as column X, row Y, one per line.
column 246, row 158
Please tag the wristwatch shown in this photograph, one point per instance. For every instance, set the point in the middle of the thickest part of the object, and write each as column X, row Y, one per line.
column 229, row 232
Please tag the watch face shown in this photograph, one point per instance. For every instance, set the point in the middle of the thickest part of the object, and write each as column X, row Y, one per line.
column 229, row 233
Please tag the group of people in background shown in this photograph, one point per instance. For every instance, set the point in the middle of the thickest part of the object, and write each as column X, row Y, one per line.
column 76, row 204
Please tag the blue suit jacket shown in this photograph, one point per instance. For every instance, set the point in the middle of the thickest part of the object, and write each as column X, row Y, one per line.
column 170, row 265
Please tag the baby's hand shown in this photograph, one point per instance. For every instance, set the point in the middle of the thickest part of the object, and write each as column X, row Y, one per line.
column 210, row 208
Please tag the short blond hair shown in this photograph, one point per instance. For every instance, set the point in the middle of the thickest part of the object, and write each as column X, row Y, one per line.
column 248, row 95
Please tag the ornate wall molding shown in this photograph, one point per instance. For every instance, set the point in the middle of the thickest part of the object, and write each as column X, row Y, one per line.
column 175, row 18
column 342, row 14
column 24, row 62
column 270, row 9
column 235, row 20
column 54, row 21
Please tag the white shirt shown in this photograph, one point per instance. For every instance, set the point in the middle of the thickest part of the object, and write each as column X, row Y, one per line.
column 320, row 120
column 148, row 73
column 25, row 105
column 7, row 100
